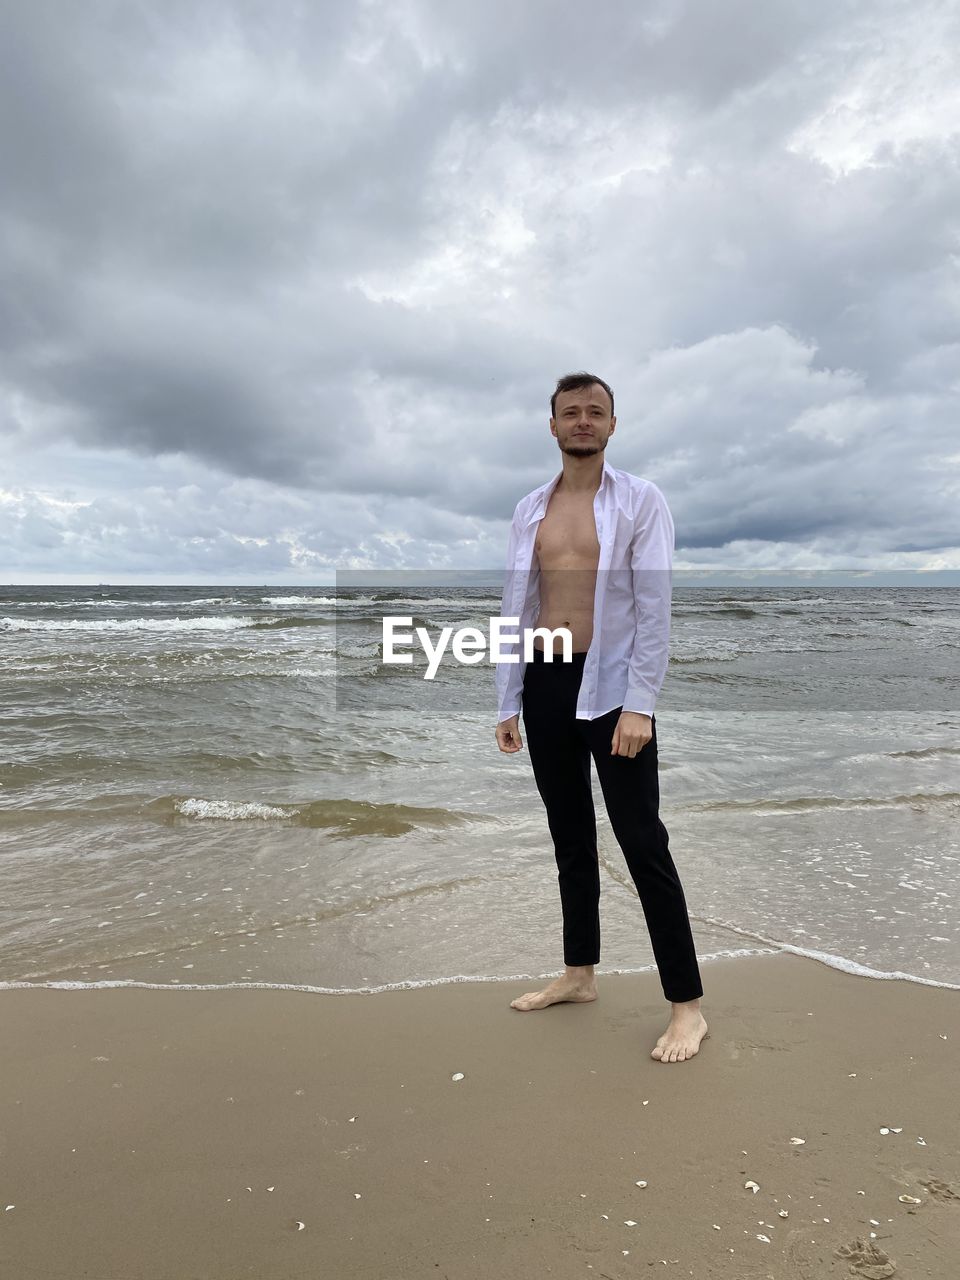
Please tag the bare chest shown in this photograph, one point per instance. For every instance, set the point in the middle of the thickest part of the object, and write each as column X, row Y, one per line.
column 567, row 534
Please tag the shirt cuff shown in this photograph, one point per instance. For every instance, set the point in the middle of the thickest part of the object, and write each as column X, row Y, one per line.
column 641, row 701
column 508, row 711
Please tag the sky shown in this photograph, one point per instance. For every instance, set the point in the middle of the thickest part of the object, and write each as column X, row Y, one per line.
column 285, row 288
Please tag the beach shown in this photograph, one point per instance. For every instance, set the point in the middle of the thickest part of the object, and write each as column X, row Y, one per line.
column 264, row 900
column 170, row 1134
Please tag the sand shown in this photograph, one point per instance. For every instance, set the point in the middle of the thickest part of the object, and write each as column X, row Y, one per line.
column 187, row 1134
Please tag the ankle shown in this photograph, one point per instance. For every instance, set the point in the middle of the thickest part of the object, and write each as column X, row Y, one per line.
column 580, row 971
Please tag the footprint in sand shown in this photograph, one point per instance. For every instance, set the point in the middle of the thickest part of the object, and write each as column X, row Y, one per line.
column 761, row 1044
column 940, row 1190
column 866, row 1260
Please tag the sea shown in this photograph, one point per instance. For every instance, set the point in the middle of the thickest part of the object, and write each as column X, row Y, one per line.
column 229, row 786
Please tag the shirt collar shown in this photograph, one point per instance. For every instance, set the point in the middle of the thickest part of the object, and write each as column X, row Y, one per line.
column 540, row 505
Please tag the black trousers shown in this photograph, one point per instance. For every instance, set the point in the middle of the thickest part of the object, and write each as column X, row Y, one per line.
column 560, row 747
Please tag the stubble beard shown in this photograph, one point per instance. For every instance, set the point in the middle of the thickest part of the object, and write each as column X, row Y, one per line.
column 583, row 450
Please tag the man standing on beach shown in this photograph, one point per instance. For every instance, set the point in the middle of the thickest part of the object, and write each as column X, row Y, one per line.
column 591, row 551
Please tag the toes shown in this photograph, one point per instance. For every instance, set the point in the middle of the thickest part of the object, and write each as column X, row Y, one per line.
column 530, row 1000
column 667, row 1051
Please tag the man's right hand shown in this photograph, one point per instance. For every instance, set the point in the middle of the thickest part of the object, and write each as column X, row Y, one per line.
column 508, row 735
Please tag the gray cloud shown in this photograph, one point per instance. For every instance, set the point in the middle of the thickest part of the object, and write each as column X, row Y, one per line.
column 336, row 256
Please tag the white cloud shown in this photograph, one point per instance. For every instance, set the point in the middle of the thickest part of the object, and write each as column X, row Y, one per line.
column 288, row 290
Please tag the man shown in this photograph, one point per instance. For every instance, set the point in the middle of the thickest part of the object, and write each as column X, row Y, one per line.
column 591, row 551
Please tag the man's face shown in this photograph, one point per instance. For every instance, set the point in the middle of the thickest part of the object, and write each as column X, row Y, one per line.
column 583, row 423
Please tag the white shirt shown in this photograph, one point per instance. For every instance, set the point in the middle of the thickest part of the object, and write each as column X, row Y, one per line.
column 627, row 658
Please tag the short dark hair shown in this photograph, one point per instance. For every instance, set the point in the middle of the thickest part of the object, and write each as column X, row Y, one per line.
column 578, row 382
column 575, row 383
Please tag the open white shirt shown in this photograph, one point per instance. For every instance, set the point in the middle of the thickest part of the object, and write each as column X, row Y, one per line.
column 627, row 658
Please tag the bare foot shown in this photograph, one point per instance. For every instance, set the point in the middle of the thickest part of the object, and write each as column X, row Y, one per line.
column 681, row 1040
column 563, row 988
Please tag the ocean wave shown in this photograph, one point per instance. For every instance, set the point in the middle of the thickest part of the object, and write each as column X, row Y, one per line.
column 290, row 622
column 111, row 602
column 340, row 817
column 298, row 600
column 842, row 963
column 205, row 623
column 803, row 804
column 709, row 610
column 705, row 655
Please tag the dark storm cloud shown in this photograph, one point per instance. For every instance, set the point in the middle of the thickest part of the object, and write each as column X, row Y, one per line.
column 345, row 249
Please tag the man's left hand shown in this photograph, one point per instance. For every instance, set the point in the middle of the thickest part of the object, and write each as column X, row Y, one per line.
column 634, row 730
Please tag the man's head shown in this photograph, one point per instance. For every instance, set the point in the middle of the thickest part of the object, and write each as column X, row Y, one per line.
column 581, row 414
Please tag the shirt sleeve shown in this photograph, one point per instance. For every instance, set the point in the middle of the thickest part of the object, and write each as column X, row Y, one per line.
column 519, row 590
column 651, row 559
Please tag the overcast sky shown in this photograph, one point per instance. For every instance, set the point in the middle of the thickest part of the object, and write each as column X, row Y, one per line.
column 286, row 287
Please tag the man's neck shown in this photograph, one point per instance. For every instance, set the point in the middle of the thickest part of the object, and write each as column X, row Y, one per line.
column 581, row 475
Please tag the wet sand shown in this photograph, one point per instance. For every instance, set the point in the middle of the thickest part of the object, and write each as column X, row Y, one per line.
column 183, row 1134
